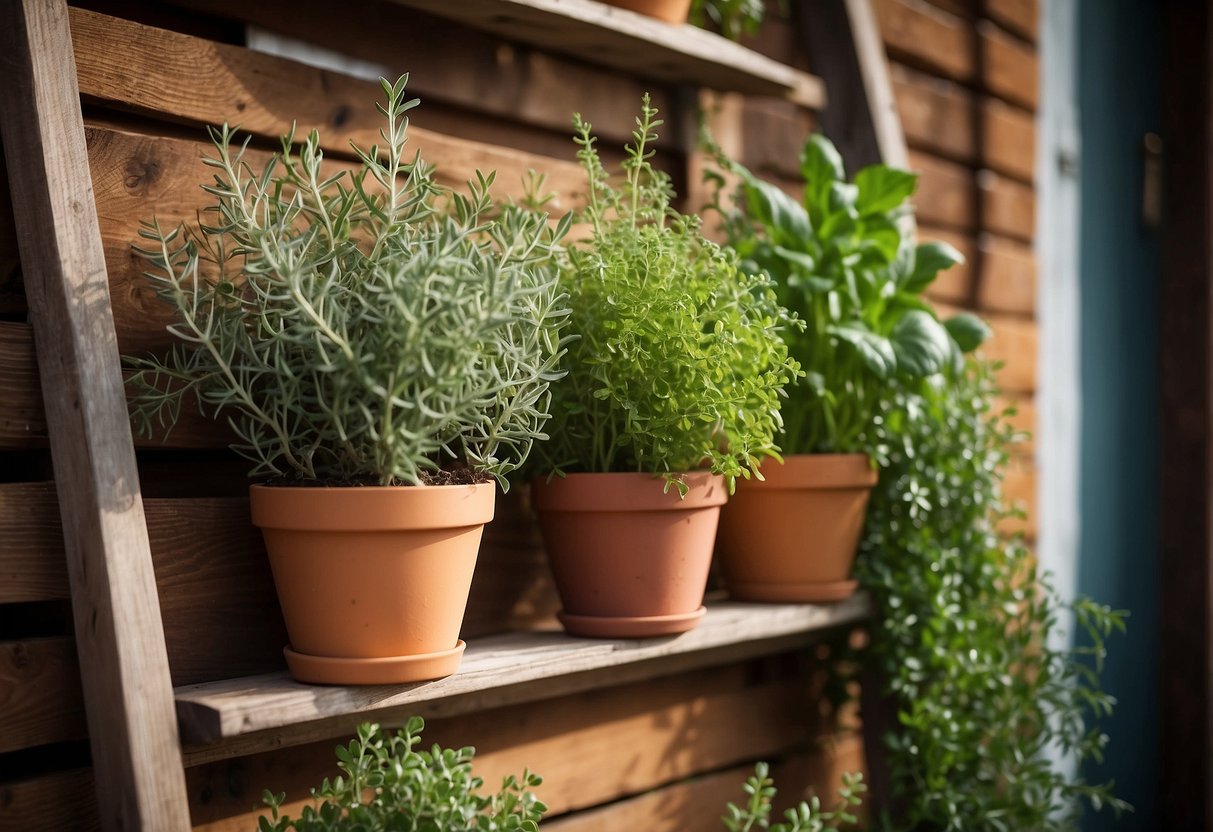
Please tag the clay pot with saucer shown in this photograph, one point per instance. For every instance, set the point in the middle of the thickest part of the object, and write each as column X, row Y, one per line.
column 373, row 581
column 630, row 558
column 792, row 537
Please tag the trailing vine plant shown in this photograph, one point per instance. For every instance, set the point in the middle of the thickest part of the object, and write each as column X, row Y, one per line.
column 965, row 638
column 357, row 327
column 678, row 361
column 388, row 783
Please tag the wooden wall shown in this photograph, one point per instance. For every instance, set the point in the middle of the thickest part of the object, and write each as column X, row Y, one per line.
column 658, row 755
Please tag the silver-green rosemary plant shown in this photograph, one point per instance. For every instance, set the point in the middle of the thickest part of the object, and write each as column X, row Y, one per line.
column 362, row 326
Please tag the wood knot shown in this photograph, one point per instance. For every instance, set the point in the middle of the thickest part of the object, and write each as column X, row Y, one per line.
column 340, row 116
column 19, row 656
column 139, row 174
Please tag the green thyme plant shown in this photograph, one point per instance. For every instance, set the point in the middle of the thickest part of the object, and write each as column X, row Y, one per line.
column 732, row 17
column 965, row 634
column 362, row 326
column 842, row 260
column 678, row 360
column 808, row 816
column 388, row 784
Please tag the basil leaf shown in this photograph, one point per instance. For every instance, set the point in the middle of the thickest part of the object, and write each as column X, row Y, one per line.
column 882, row 188
column 967, row 330
column 921, row 344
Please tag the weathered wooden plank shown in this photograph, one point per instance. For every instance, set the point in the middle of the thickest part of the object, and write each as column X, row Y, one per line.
column 1008, row 282
column 846, row 48
column 1011, row 68
column 164, row 73
column 118, row 631
column 591, row 748
column 504, row 669
column 938, row 119
column 217, row 600
column 945, row 192
column 772, row 133
column 40, row 697
column 1019, row 16
column 1014, row 343
column 928, row 37
column 634, row 43
column 12, row 294
column 63, row 800
column 33, row 565
column 22, row 417
column 1008, row 207
column 696, row 805
column 1010, row 140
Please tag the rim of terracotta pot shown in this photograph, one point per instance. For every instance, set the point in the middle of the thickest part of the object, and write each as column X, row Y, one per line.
column 372, row 508
column 817, row 471
column 626, row 492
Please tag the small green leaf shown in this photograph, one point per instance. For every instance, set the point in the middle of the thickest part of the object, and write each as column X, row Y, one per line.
column 882, row 189
column 929, row 260
column 876, row 351
column 921, row 343
column 967, row 330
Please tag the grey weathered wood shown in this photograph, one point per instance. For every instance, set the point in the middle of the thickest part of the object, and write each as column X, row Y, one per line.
column 496, row 671
column 124, row 668
column 633, row 43
column 847, row 53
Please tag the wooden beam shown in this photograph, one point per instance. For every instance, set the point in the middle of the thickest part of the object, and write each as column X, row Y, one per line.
column 40, row 689
column 861, row 117
column 124, row 667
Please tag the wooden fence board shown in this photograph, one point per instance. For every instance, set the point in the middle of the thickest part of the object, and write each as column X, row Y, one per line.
column 930, row 37
column 119, row 636
column 167, row 74
column 1008, row 283
column 945, row 192
column 1009, row 207
column 696, row 805
column 63, row 800
column 593, row 747
column 33, row 565
column 12, row 294
column 40, row 697
column 22, row 416
column 1020, row 16
column 1019, row 491
column 1011, row 68
column 938, row 119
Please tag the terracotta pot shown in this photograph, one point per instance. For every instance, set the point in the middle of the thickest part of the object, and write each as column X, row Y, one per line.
column 629, row 560
column 671, row 11
column 793, row 536
column 373, row 582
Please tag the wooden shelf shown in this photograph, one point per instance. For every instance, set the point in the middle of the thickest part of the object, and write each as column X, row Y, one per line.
column 223, row 719
column 642, row 46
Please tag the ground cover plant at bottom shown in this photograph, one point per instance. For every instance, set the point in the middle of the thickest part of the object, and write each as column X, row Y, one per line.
column 807, row 816
column 964, row 638
column 388, row 783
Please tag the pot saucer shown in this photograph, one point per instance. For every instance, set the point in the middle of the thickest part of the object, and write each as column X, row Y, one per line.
column 630, row 626
column 388, row 670
column 782, row 593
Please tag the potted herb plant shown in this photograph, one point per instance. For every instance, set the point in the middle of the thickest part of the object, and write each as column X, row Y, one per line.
column 843, row 262
column 383, row 350
column 673, row 388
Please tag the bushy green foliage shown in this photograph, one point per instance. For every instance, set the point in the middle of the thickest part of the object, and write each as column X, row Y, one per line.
column 965, row 634
column 808, row 816
column 843, row 261
column 678, row 358
column 387, row 784
column 732, row 17
column 358, row 327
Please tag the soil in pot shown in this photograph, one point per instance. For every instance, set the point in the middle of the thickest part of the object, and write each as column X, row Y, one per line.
column 373, row 581
column 630, row 560
column 793, row 536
